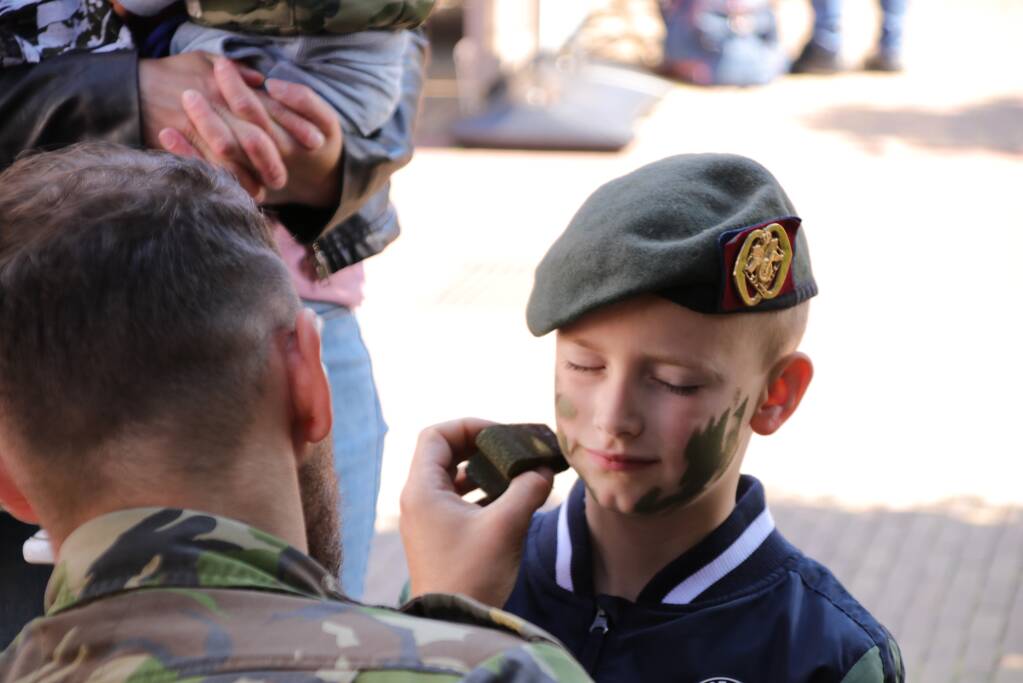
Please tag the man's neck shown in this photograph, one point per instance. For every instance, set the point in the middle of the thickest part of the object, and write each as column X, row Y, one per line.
column 263, row 493
column 629, row 550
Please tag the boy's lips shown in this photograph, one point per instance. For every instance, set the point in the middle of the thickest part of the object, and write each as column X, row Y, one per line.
column 619, row 462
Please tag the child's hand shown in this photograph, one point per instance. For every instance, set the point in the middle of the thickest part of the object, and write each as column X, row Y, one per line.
column 314, row 165
column 454, row 546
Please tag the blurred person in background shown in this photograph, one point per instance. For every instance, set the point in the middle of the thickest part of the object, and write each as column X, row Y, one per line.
column 822, row 53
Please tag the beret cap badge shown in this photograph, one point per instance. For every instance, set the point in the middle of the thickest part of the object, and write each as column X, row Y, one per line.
column 762, row 264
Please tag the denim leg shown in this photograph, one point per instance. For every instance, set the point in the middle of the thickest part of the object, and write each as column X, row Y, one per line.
column 891, row 25
column 827, row 21
column 359, row 431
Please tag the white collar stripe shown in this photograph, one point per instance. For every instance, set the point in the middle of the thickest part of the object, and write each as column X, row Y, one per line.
column 712, row 572
column 563, row 558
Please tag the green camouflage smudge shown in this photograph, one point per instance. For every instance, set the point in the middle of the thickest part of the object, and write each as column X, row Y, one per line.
column 708, row 454
column 564, row 408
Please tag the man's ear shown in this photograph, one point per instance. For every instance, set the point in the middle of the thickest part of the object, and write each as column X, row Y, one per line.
column 11, row 498
column 307, row 381
column 787, row 382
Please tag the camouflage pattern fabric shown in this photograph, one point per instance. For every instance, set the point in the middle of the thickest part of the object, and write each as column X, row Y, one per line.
column 31, row 31
column 306, row 17
column 152, row 595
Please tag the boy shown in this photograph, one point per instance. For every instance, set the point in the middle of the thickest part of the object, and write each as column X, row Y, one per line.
column 679, row 295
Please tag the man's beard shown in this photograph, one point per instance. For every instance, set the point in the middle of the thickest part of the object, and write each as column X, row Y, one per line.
column 317, row 484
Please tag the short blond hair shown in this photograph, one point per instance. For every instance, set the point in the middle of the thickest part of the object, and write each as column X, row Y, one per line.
column 779, row 332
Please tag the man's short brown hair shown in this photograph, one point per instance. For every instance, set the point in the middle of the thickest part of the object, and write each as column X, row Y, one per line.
column 138, row 291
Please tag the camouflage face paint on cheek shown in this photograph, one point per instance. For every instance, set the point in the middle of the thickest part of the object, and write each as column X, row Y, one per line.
column 708, row 454
column 564, row 407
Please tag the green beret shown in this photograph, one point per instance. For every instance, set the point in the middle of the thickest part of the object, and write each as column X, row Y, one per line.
column 712, row 232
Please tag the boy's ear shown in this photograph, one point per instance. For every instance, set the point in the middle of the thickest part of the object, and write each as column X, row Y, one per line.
column 12, row 499
column 307, row 379
column 787, row 382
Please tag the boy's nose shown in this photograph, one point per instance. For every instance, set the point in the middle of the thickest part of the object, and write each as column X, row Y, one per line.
column 616, row 411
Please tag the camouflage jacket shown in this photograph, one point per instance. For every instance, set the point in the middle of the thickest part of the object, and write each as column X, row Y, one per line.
column 154, row 595
column 303, row 17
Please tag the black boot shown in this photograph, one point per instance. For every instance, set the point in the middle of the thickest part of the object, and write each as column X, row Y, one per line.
column 814, row 59
column 883, row 60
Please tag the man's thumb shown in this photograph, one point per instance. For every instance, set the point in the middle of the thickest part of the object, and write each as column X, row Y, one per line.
column 524, row 495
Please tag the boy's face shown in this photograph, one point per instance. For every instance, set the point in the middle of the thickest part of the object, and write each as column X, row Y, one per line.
column 654, row 400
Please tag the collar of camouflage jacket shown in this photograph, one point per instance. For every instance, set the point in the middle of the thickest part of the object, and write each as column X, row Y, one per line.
column 169, row 548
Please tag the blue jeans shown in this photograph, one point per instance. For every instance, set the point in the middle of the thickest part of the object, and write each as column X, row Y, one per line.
column 359, row 430
column 828, row 19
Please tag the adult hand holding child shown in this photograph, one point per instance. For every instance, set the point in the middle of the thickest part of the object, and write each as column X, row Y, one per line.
column 283, row 144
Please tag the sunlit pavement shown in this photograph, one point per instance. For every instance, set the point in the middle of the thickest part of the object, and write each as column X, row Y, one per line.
column 901, row 470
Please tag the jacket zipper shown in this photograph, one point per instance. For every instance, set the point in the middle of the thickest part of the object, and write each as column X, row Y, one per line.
column 595, row 641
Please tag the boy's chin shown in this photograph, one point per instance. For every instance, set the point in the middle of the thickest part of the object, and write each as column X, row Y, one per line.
column 616, row 500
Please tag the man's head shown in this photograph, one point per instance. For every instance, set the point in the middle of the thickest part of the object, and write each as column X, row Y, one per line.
column 679, row 294
column 150, row 331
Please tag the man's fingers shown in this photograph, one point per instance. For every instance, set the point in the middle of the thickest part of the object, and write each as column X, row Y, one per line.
column 524, row 496
column 308, row 135
column 191, row 145
column 305, row 102
column 434, row 465
column 252, row 78
column 240, row 98
column 456, row 437
column 462, row 483
column 248, row 182
column 215, row 134
column 261, row 151
column 172, row 140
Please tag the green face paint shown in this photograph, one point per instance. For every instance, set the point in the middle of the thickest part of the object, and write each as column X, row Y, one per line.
column 563, row 442
column 567, row 449
column 708, row 454
column 564, row 407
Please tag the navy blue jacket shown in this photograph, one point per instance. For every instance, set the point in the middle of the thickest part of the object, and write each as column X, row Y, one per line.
column 744, row 606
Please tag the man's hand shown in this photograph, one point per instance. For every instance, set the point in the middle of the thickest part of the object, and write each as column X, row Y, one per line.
column 304, row 129
column 454, row 546
column 167, row 86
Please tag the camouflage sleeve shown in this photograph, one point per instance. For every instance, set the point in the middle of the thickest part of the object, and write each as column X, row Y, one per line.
column 878, row 665
column 369, row 162
column 540, row 658
column 532, row 663
column 67, row 99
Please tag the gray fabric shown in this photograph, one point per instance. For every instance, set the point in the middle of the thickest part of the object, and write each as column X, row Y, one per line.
column 656, row 231
column 359, row 74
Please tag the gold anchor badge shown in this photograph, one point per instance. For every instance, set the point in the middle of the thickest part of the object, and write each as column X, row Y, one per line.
column 763, row 264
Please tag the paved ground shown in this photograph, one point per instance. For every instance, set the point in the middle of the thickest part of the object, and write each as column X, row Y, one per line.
column 902, row 469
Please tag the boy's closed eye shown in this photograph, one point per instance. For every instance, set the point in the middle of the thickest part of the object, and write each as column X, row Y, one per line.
column 591, row 366
column 681, row 389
